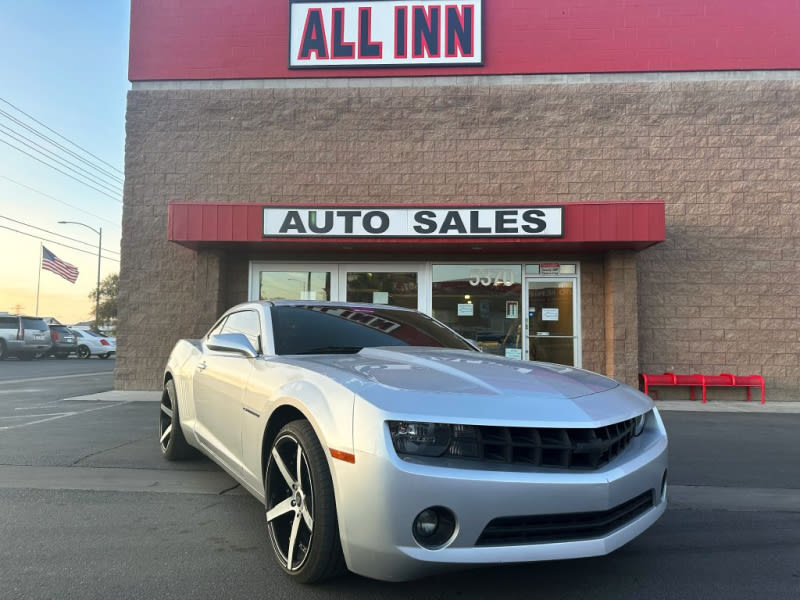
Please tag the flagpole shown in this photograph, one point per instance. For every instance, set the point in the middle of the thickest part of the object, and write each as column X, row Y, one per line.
column 39, row 279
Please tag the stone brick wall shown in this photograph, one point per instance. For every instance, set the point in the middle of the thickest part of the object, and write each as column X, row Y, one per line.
column 720, row 295
column 621, row 316
column 593, row 301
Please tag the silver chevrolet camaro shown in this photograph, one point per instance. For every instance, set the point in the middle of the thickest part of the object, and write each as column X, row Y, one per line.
column 381, row 441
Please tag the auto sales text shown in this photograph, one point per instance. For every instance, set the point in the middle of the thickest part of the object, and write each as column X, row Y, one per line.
column 366, row 221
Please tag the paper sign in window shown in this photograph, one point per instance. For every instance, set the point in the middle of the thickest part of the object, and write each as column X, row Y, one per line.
column 466, row 310
column 549, row 314
column 512, row 309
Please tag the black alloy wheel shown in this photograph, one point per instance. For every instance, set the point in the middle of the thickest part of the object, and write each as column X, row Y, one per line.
column 84, row 352
column 301, row 509
column 170, row 435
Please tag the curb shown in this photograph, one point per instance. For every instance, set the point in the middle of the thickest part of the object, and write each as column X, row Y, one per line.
column 728, row 407
column 119, row 396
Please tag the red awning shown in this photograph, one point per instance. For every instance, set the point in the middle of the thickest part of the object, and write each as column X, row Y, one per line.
column 587, row 227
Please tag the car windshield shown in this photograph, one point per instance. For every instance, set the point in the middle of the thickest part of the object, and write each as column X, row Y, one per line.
column 60, row 329
column 321, row 329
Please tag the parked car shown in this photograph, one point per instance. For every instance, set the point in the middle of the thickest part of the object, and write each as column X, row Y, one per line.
column 64, row 341
column 380, row 440
column 23, row 336
column 93, row 344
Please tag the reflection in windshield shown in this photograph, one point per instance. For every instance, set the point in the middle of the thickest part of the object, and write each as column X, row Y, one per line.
column 321, row 329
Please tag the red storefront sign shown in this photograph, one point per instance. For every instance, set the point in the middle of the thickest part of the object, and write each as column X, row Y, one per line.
column 586, row 226
column 249, row 39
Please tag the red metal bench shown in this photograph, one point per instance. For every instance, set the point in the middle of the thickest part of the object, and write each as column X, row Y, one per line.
column 703, row 382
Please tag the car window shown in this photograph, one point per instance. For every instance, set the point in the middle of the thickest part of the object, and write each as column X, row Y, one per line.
column 37, row 324
column 245, row 322
column 320, row 329
column 9, row 322
column 217, row 328
column 60, row 329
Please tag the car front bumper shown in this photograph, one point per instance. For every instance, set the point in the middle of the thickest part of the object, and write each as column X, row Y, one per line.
column 380, row 495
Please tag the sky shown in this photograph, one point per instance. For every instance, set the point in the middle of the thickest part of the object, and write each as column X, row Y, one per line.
column 65, row 65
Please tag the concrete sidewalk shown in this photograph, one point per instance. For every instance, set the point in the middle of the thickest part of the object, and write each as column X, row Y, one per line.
column 671, row 405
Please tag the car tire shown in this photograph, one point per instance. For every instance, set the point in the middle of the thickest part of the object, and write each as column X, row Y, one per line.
column 3, row 350
column 300, row 506
column 84, row 352
column 170, row 435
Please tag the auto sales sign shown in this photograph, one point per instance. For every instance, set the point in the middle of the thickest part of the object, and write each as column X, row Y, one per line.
column 428, row 222
column 385, row 33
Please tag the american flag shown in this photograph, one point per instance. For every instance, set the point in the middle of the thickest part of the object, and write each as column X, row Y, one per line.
column 50, row 262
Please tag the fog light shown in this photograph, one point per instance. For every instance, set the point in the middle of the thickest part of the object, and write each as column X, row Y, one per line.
column 434, row 527
column 426, row 523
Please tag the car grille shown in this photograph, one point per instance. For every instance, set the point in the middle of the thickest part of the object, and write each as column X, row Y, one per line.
column 549, row 447
column 544, row 529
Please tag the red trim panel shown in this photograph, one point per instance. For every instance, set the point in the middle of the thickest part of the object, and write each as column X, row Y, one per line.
column 588, row 226
column 248, row 39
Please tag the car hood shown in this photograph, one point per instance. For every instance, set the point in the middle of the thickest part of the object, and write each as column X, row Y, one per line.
column 449, row 384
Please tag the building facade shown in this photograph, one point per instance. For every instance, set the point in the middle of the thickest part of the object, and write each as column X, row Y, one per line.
column 615, row 188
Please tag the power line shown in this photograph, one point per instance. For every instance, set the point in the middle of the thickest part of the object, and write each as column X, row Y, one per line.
column 66, row 237
column 100, row 179
column 60, row 171
column 41, row 193
column 50, row 155
column 52, row 142
column 59, row 135
column 56, row 243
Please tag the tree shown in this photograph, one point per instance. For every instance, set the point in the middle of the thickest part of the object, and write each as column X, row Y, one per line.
column 109, row 289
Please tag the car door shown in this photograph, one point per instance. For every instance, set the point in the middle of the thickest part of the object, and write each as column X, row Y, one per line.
column 219, row 383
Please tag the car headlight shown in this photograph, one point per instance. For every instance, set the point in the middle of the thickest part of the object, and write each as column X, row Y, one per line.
column 434, row 439
column 421, row 439
column 640, row 422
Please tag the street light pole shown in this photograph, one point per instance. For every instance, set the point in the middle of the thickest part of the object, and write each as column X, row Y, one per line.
column 99, row 255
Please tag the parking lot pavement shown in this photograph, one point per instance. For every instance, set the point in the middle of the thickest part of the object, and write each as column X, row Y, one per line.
column 90, row 509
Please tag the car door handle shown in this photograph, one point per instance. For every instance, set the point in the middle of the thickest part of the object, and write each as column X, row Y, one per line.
column 201, row 366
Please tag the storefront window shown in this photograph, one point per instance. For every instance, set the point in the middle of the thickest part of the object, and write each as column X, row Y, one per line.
column 294, row 285
column 483, row 303
column 396, row 288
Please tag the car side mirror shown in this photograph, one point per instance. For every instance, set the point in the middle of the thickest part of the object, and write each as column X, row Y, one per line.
column 236, row 343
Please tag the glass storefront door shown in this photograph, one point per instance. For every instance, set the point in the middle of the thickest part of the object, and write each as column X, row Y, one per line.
column 551, row 334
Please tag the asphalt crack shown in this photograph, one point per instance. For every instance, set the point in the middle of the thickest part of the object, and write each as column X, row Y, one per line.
column 96, row 452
